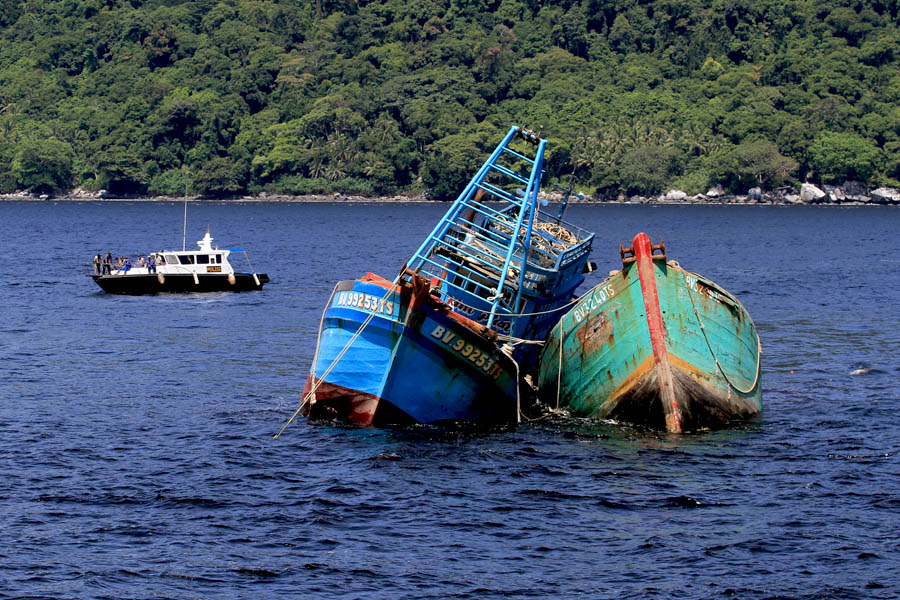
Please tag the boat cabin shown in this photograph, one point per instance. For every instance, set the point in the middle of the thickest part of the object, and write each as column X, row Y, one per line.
column 206, row 259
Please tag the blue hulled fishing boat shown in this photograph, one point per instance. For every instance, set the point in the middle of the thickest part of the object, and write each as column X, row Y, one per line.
column 657, row 346
column 454, row 334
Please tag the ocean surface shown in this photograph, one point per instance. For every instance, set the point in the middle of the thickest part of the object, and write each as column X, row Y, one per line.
column 137, row 457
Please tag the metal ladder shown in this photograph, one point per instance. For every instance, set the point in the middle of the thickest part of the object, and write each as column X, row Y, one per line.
column 479, row 251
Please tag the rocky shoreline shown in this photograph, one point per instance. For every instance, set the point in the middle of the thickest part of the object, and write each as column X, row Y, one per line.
column 103, row 196
column 849, row 194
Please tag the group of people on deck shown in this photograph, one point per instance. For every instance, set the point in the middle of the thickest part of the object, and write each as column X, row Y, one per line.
column 103, row 265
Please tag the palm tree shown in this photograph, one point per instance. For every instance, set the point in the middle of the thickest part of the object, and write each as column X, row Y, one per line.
column 316, row 168
column 334, row 172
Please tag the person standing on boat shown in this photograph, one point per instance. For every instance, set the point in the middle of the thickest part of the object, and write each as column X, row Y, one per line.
column 107, row 268
column 97, row 261
column 151, row 264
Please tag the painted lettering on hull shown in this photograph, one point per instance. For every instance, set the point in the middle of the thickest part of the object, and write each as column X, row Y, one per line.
column 467, row 351
column 698, row 286
column 363, row 301
column 599, row 296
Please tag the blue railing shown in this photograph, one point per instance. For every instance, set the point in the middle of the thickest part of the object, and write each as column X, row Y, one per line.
column 484, row 247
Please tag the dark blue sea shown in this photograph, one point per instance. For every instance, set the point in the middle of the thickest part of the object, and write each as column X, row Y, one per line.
column 137, row 457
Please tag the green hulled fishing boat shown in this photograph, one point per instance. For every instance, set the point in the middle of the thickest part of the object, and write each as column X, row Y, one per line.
column 654, row 345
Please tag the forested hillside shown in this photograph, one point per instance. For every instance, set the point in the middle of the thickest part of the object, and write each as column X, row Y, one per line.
column 405, row 96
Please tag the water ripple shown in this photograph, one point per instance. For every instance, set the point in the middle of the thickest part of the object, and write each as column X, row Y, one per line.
column 137, row 459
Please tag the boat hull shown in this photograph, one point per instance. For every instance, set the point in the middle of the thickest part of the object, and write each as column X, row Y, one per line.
column 657, row 346
column 455, row 337
column 413, row 360
column 156, row 284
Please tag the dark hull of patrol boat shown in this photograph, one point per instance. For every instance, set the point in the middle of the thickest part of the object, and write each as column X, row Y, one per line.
column 136, row 285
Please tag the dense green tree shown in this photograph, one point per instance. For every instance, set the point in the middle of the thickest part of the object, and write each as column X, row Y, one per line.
column 452, row 160
column 172, row 182
column 445, row 166
column 43, row 166
column 8, row 183
column 647, row 169
column 119, row 170
column 221, row 176
column 838, row 156
column 230, row 96
column 754, row 163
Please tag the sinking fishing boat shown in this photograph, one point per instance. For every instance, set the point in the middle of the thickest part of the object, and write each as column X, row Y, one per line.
column 452, row 337
column 206, row 269
column 657, row 346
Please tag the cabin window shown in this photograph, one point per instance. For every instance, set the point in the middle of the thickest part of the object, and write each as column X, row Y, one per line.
column 203, row 259
column 217, row 258
column 186, row 259
column 171, row 259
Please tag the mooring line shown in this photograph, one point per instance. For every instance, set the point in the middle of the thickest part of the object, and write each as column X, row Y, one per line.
column 713, row 352
column 318, row 380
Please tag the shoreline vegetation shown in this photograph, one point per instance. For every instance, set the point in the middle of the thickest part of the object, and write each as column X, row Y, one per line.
column 851, row 194
column 383, row 99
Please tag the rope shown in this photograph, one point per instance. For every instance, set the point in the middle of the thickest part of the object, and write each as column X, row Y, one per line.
column 301, row 288
column 549, row 414
column 321, row 323
column 566, row 237
column 318, row 380
column 516, row 341
column 559, row 373
column 713, row 353
column 456, row 302
column 247, row 256
column 507, row 349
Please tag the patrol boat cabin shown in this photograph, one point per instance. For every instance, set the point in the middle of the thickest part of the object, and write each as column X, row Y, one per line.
column 206, row 269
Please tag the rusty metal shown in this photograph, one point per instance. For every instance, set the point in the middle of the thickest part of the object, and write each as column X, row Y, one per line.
column 627, row 254
column 661, row 247
column 529, row 136
column 645, row 365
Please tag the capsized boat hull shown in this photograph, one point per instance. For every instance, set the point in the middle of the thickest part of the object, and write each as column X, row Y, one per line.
column 657, row 346
column 142, row 284
column 413, row 360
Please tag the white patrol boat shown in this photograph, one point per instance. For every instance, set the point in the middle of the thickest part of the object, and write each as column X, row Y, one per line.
column 204, row 270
